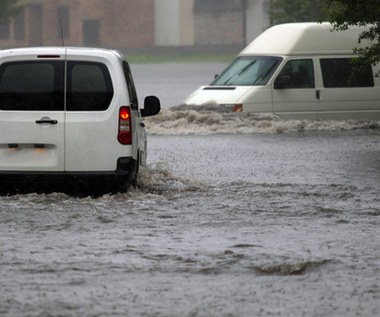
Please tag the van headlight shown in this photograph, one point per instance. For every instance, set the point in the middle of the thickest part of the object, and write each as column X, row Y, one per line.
column 237, row 107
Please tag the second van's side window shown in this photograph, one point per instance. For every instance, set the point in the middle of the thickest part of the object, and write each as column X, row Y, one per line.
column 342, row 72
column 89, row 87
column 297, row 73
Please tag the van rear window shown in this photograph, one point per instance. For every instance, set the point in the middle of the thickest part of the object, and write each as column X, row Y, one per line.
column 28, row 86
column 89, row 87
column 39, row 86
column 344, row 72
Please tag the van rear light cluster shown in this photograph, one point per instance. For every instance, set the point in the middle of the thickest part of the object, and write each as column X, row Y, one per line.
column 125, row 126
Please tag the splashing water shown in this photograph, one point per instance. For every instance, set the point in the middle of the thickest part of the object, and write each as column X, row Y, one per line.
column 213, row 119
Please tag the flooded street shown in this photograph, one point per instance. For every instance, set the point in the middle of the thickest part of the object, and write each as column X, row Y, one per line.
column 234, row 216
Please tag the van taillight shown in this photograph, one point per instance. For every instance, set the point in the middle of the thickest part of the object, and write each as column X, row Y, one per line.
column 125, row 126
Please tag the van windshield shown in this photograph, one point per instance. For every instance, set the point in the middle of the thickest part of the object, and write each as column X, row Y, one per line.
column 248, row 71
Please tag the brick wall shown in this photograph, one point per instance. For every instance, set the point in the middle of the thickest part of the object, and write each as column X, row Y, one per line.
column 218, row 22
column 218, row 28
column 115, row 24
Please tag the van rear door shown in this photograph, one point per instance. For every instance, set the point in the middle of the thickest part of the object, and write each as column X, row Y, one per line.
column 92, row 114
column 32, row 113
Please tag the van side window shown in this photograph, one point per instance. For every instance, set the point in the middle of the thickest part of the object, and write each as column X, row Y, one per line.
column 131, row 86
column 32, row 86
column 298, row 73
column 89, row 87
column 343, row 72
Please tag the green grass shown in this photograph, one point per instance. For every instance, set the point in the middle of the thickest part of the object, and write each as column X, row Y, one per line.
column 147, row 59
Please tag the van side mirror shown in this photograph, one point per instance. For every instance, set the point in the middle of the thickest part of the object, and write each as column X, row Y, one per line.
column 152, row 106
column 282, row 82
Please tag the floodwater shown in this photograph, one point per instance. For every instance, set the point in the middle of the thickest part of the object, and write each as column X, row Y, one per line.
column 234, row 216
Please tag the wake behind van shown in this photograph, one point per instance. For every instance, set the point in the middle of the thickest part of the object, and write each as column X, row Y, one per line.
column 298, row 70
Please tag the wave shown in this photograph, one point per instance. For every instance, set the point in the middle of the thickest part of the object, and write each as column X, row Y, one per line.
column 158, row 179
column 154, row 182
column 285, row 268
column 212, row 119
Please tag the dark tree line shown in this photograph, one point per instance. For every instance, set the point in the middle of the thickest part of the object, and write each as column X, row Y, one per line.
column 8, row 8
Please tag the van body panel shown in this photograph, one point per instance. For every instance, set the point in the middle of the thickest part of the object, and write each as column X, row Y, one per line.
column 27, row 140
column 298, row 99
column 218, row 95
column 295, row 103
column 349, row 103
column 325, row 92
column 85, row 138
column 304, row 39
column 26, row 145
column 257, row 99
column 139, row 152
column 89, row 131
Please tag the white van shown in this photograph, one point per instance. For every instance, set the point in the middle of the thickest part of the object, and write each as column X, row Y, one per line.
column 70, row 116
column 298, row 70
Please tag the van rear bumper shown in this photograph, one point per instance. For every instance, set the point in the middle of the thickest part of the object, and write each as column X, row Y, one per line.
column 74, row 183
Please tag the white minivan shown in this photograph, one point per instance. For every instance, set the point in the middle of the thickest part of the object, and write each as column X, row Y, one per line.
column 70, row 116
column 298, row 70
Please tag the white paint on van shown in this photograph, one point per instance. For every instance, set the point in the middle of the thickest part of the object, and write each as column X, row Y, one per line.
column 304, row 39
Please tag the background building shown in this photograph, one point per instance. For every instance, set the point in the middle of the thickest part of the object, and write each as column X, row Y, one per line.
column 125, row 23
column 134, row 25
column 209, row 22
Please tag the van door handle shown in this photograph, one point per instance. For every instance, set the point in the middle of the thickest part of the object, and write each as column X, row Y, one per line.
column 318, row 94
column 47, row 121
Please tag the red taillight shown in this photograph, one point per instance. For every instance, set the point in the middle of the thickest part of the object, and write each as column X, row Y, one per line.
column 125, row 126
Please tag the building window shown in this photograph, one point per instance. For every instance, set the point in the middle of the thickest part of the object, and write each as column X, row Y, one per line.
column 19, row 27
column 63, row 22
column 91, row 32
column 5, row 30
column 219, row 22
column 34, row 25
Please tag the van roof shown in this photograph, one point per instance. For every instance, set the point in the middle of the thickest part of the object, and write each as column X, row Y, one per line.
column 59, row 50
column 305, row 39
